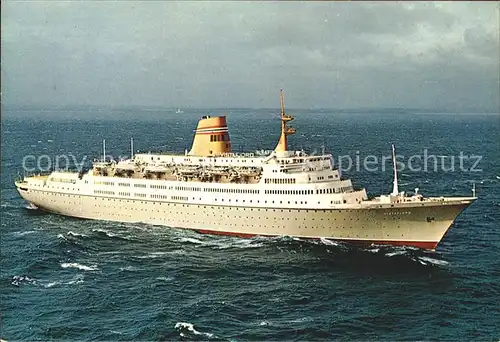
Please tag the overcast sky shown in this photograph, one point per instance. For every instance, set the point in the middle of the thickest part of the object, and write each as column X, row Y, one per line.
column 234, row 54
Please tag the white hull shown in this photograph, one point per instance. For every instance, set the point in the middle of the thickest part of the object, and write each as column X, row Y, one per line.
column 415, row 224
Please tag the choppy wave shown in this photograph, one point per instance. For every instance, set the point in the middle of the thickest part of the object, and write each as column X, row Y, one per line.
column 427, row 260
column 191, row 240
column 391, row 254
column 187, row 329
column 129, row 268
column 104, row 232
column 24, row 233
column 112, row 235
column 79, row 266
column 329, row 242
column 78, row 279
column 8, row 204
column 155, row 255
column 167, row 279
column 19, row 280
column 76, row 234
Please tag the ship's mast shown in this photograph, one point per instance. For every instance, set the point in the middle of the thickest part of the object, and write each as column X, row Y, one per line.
column 104, row 150
column 285, row 131
column 395, row 190
column 131, row 148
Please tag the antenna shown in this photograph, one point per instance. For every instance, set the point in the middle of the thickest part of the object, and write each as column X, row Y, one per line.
column 395, row 190
column 282, row 103
column 131, row 148
column 474, row 189
column 104, row 150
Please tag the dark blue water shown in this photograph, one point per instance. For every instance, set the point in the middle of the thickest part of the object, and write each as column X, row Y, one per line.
column 65, row 278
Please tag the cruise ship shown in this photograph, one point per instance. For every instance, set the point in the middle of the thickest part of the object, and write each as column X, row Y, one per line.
column 213, row 190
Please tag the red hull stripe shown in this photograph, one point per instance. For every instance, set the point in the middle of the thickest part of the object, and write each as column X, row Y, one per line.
column 212, row 132
column 217, row 126
column 419, row 244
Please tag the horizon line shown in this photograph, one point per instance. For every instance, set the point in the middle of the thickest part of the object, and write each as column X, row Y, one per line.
column 174, row 108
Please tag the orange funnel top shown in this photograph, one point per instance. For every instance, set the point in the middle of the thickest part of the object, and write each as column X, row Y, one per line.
column 211, row 137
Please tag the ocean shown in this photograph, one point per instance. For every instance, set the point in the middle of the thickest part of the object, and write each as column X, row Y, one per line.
column 71, row 279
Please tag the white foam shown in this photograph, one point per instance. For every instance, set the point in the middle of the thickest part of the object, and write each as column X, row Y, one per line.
column 18, row 280
column 79, row 266
column 75, row 234
column 300, row 320
column 129, row 268
column 76, row 280
column 433, row 261
column 395, row 253
column 153, row 255
column 165, row 278
column 109, row 234
column 190, row 327
column 328, row 242
column 24, row 233
column 191, row 240
column 50, row 284
column 31, row 206
column 247, row 243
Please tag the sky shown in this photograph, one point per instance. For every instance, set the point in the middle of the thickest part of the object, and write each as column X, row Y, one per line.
column 239, row 54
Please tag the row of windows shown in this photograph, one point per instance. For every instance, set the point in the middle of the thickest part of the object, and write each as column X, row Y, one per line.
column 63, row 180
column 159, row 187
column 159, row 196
column 219, row 137
column 104, row 183
column 179, row 198
column 187, row 188
column 289, row 192
column 233, row 191
column 334, row 190
column 182, row 198
column 279, row 180
column 104, row 192
column 327, row 191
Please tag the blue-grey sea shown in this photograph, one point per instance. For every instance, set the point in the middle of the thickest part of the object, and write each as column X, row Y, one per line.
column 71, row 279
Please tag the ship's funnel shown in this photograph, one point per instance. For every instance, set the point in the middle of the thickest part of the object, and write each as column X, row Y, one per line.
column 211, row 137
